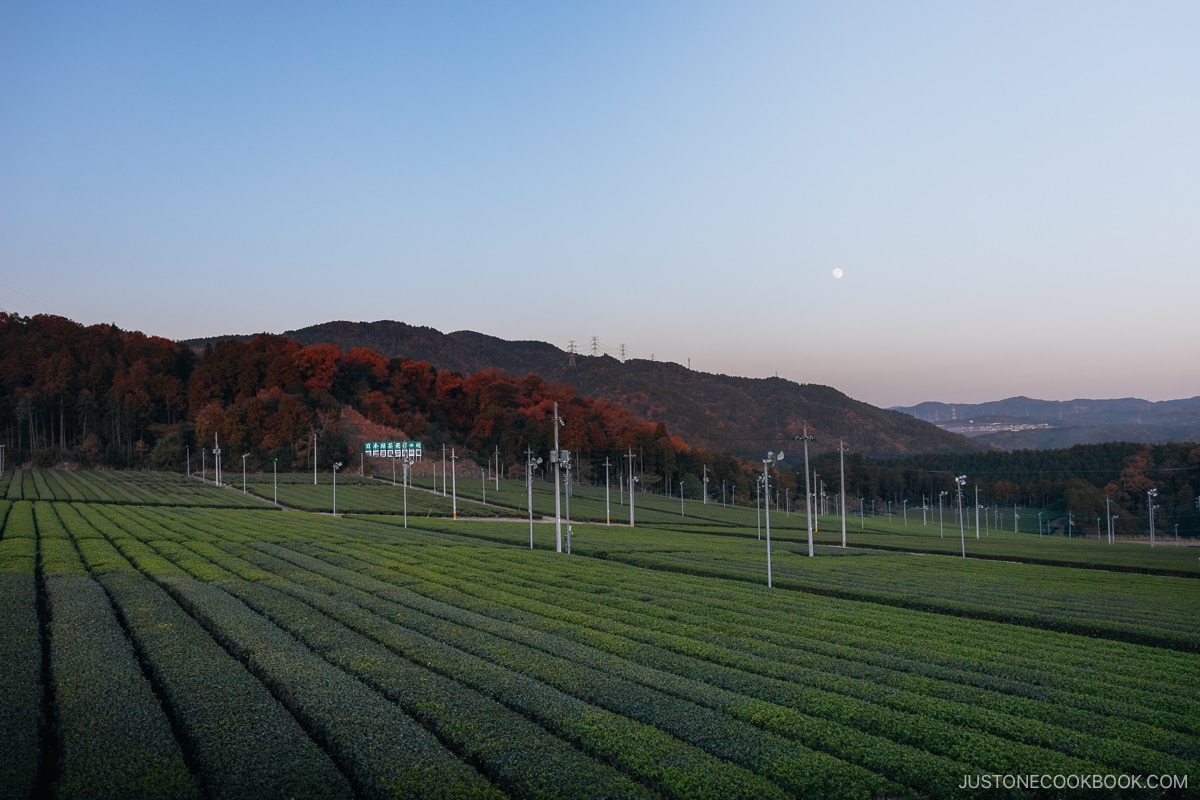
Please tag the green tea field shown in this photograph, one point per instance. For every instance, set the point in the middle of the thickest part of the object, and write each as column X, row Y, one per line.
column 162, row 637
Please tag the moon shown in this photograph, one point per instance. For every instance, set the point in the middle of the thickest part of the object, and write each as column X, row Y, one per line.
column 837, row 273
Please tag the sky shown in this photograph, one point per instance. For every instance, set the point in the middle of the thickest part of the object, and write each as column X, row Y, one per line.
column 1010, row 190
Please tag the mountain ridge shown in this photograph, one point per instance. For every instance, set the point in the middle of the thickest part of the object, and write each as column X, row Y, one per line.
column 725, row 413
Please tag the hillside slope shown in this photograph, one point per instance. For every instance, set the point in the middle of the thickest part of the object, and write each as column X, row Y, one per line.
column 742, row 416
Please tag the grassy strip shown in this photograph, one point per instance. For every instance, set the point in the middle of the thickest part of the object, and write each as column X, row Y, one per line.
column 911, row 727
column 1133, row 634
column 798, row 771
column 518, row 755
column 747, row 667
column 999, row 692
column 542, row 688
column 1053, row 598
column 932, row 641
column 935, row 639
column 384, row 751
column 41, row 487
column 15, row 484
column 243, row 741
column 63, row 488
column 885, row 641
column 115, row 739
column 20, row 655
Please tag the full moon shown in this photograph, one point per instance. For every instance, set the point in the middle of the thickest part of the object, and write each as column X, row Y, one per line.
column 837, row 272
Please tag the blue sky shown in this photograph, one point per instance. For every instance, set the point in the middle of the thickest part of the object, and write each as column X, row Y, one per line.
column 1011, row 189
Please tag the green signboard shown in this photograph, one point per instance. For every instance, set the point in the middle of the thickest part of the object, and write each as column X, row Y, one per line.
column 393, row 450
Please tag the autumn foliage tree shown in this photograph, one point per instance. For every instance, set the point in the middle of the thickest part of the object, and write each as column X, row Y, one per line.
column 99, row 395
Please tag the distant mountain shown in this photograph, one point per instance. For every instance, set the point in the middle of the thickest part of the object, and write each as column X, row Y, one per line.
column 742, row 416
column 1023, row 423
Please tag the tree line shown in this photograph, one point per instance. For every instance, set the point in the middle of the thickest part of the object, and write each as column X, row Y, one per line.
column 1080, row 484
column 100, row 396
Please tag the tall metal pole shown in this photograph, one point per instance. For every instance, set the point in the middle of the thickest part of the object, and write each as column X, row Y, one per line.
column 453, row 483
column 1150, row 495
column 807, row 492
column 407, row 462
column 962, row 531
column 314, row 458
column 758, row 509
column 766, row 465
column 977, row 511
column 567, row 466
column 336, row 465
column 607, row 513
column 1108, row 516
column 557, row 498
column 771, row 459
column 842, row 457
column 275, row 478
column 530, row 463
column 632, row 483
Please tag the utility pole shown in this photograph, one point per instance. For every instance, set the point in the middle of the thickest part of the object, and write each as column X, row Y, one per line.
column 807, row 490
column 771, row 460
column 453, row 483
column 1107, row 516
column 977, row 511
column 530, row 464
column 557, row 423
column 961, row 481
column 842, row 458
column 607, row 513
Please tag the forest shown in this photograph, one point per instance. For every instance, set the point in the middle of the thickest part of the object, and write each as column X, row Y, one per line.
column 99, row 396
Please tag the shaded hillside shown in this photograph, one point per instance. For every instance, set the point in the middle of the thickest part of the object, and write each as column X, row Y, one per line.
column 748, row 416
column 742, row 416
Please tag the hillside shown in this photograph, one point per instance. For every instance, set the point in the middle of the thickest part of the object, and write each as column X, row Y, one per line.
column 742, row 416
